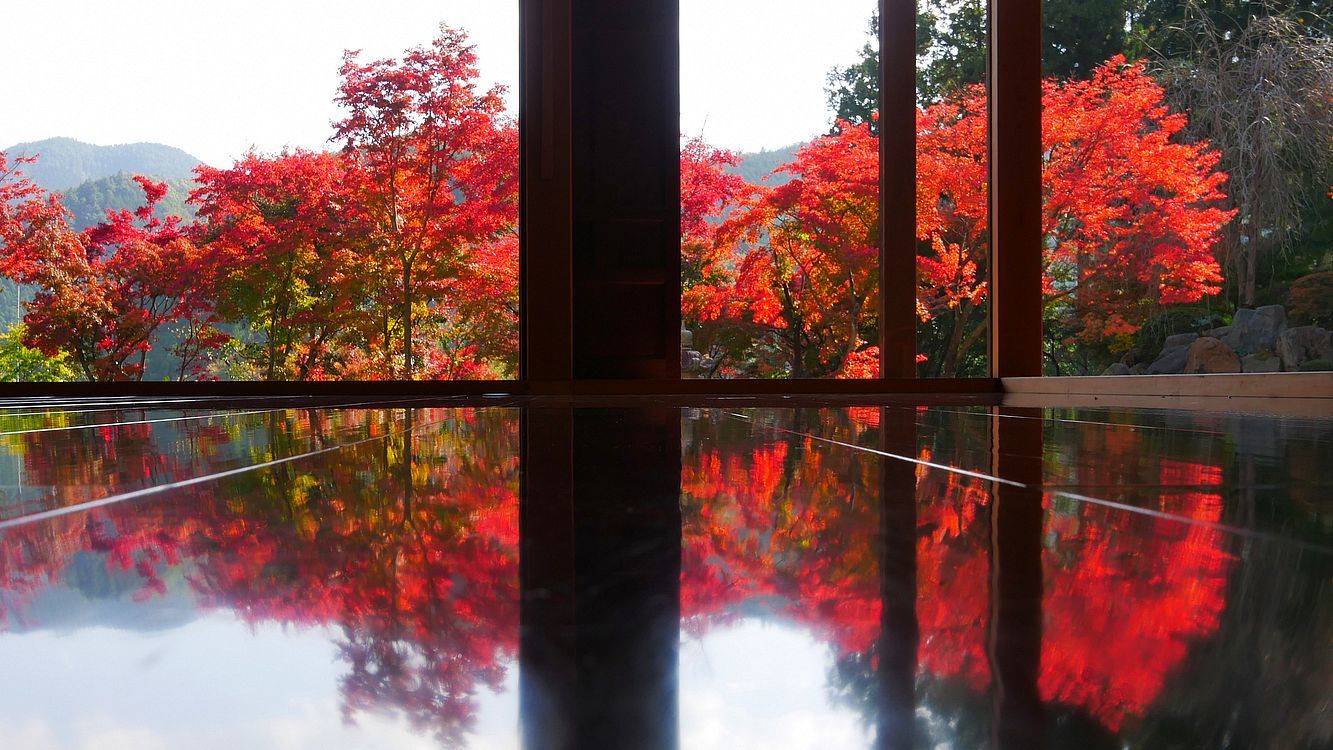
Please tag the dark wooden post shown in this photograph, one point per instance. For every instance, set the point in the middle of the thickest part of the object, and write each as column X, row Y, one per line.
column 626, row 182
column 897, row 188
column 1015, row 188
column 546, row 210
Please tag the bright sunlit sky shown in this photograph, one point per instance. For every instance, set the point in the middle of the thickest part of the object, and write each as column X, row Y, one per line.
column 218, row 78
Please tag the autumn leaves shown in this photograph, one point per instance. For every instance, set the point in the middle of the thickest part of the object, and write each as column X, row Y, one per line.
column 395, row 255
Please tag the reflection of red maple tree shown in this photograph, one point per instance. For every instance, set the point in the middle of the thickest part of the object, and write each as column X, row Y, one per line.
column 408, row 549
column 1125, row 596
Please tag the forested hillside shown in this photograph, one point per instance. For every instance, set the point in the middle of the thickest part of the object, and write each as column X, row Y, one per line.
column 89, row 202
column 754, row 167
column 65, row 163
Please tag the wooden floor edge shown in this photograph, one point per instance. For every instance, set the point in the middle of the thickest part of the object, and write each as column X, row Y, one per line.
column 1296, row 385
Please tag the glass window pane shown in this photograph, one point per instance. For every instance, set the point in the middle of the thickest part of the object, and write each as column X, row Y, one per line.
column 1187, row 178
column 196, row 192
column 780, row 189
column 953, row 211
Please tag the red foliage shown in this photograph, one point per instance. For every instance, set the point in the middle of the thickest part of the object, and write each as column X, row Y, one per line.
column 1126, row 594
column 1131, row 216
column 288, row 236
column 440, row 161
column 106, row 293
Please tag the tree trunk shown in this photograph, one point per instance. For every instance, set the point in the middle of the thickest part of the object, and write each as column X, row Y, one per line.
column 949, row 362
column 407, row 320
column 1251, row 271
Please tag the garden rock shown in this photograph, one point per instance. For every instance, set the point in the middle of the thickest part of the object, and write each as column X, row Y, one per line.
column 1210, row 355
column 1261, row 362
column 1256, row 330
column 1172, row 358
column 1180, row 339
column 1299, row 345
column 1119, row 368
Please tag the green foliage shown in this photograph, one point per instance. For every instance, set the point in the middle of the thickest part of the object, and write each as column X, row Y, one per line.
column 1159, row 28
column 952, row 46
column 1177, row 319
column 19, row 364
column 755, row 167
column 1079, row 35
column 66, row 163
column 89, row 202
column 1317, row 365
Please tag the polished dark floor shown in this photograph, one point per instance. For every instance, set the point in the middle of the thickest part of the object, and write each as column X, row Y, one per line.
column 431, row 575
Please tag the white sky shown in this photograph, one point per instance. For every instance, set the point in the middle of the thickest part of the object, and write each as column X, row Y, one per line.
column 217, row 78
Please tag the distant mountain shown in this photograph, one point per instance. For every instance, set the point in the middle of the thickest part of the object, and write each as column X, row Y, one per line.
column 757, row 165
column 65, row 163
column 90, row 201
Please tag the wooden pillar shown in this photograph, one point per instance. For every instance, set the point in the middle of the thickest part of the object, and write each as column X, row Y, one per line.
column 1015, row 188
column 897, row 188
column 1016, row 580
column 626, row 181
column 546, row 202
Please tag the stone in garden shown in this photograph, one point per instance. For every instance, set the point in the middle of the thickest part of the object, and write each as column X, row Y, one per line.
column 1180, row 339
column 1172, row 358
column 1256, row 330
column 1299, row 345
column 1119, row 368
column 1261, row 362
column 1210, row 355
column 1171, row 362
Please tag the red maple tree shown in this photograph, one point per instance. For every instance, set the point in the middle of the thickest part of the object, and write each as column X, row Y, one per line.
column 1131, row 215
column 104, row 295
column 440, row 160
column 288, row 237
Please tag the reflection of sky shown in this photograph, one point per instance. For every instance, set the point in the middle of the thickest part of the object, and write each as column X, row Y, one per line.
column 213, row 683
column 218, row 683
column 759, row 685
